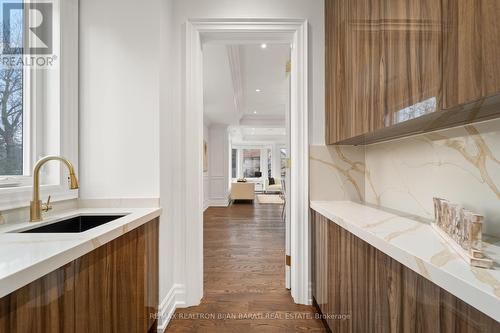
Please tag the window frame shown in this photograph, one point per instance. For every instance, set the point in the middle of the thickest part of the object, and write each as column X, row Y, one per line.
column 239, row 155
column 25, row 179
column 63, row 133
column 243, row 162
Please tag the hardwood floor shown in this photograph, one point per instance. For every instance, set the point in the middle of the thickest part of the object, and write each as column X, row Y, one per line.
column 244, row 276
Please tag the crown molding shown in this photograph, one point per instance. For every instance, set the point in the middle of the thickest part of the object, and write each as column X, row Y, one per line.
column 234, row 57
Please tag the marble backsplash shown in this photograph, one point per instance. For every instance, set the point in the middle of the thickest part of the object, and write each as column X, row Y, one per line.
column 336, row 173
column 460, row 164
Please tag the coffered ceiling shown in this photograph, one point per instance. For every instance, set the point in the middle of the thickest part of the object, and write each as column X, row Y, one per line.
column 246, row 84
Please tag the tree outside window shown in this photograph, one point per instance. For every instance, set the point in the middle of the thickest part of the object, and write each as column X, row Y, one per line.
column 11, row 105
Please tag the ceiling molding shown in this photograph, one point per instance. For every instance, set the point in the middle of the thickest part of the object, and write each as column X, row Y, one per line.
column 234, row 56
column 265, row 121
column 264, row 138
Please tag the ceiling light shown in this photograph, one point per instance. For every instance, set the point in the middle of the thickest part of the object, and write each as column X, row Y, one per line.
column 263, row 45
column 258, row 90
column 255, row 112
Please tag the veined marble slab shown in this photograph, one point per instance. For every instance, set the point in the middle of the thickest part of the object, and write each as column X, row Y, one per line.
column 27, row 257
column 414, row 244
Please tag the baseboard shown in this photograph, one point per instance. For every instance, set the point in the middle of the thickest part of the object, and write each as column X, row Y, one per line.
column 166, row 309
column 310, row 297
column 218, row 203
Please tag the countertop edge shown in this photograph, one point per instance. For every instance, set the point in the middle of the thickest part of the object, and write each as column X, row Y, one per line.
column 21, row 278
column 478, row 298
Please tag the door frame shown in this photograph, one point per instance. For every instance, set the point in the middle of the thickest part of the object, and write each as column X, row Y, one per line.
column 198, row 32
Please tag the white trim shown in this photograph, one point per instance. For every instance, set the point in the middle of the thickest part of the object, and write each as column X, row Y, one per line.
column 234, row 57
column 193, row 163
column 298, row 206
column 166, row 309
column 64, row 78
column 238, row 31
column 218, row 202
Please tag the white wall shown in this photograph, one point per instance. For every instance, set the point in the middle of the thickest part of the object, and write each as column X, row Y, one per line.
column 119, row 98
column 131, row 142
column 171, row 125
column 126, row 124
column 218, row 172
column 312, row 10
column 206, row 178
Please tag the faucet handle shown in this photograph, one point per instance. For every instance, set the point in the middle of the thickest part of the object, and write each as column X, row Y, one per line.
column 46, row 206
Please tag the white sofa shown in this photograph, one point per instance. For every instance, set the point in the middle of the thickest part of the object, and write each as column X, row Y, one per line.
column 275, row 188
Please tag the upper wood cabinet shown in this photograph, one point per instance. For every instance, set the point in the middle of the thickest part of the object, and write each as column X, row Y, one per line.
column 393, row 66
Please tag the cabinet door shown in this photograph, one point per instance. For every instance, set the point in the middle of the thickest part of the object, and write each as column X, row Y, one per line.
column 471, row 50
column 411, row 61
column 320, row 262
column 364, row 59
column 352, row 67
column 383, row 64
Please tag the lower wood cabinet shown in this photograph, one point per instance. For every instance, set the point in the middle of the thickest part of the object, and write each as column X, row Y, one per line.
column 360, row 289
column 111, row 289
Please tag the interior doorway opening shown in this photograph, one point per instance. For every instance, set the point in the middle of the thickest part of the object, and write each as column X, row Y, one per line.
column 243, row 32
column 246, row 116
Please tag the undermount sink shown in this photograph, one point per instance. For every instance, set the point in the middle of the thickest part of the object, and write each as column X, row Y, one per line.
column 75, row 224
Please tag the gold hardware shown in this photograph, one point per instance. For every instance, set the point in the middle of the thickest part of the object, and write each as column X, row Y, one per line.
column 36, row 206
column 46, row 206
column 288, row 260
column 288, row 66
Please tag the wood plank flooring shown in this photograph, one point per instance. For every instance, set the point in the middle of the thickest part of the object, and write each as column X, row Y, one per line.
column 244, row 276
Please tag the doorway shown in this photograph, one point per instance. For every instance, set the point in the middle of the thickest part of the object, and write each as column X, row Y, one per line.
column 230, row 31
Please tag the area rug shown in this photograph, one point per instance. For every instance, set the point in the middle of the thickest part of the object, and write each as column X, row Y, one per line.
column 269, row 199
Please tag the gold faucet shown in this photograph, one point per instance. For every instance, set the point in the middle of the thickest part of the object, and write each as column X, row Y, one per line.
column 36, row 204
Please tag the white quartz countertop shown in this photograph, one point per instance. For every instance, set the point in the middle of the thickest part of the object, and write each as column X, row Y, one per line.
column 25, row 257
column 417, row 246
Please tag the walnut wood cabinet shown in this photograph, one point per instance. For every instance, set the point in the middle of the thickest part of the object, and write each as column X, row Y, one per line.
column 376, row 293
column 111, row 289
column 391, row 62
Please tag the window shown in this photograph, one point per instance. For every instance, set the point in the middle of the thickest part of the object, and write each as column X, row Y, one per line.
column 251, row 163
column 38, row 104
column 269, row 163
column 234, row 163
column 283, row 158
column 14, row 134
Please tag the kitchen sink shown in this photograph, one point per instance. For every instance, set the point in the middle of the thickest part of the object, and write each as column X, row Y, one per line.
column 75, row 224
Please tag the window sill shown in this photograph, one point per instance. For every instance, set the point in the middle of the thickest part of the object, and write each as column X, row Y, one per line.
column 18, row 197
